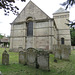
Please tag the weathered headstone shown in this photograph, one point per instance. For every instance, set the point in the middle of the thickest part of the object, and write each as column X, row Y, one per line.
column 62, row 51
column 65, row 52
column 43, row 60
column 57, row 51
column 20, row 49
column 69, row 48
column 31, row 57
column 5, row 58
column 22, row 57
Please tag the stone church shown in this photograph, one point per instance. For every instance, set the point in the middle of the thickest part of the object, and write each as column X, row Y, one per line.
column 34, row 28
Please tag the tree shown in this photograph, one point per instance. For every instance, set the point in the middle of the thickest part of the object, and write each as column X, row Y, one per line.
column 72, row 31
column 69, row 3
column 8, row 6
column 1, row 36
column 71, row 23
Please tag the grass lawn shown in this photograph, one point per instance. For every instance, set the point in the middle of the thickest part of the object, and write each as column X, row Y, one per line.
column 60, row 68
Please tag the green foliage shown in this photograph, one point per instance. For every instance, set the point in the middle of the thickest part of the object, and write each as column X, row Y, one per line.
column 72, row 31
column 1, row 36
column 68, row 3
column 60, row 68
column 8, row 6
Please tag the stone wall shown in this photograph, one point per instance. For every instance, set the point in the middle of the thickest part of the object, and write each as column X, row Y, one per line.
column 43, row 29
column 60, row 19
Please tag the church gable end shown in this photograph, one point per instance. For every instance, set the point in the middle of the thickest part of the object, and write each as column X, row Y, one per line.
column 31, row 10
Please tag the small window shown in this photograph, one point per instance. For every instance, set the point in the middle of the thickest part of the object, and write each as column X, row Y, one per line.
column 62, row 40
column 30, row 28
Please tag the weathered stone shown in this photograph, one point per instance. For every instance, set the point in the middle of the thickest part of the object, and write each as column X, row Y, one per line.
column 69, row 48
column 62, row 51
column 43, row 60
column 22, row 57
column 31, row 57
column 20, row 49
column 5, row 58
column 65, row 52
column 46, row 32
column 57, row 51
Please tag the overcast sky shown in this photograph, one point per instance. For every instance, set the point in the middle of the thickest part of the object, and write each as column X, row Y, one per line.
column 48, row 6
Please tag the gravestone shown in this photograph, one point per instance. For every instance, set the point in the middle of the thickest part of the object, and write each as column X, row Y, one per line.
column 57, row 51
column 20, row 49
column 5, row 58
column 22, row 57
column 43, row 60
column 65, row 52
column 62, row 51
column 31, row 57
column 69, row 48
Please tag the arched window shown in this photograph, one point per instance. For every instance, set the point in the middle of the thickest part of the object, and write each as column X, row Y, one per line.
column 30, row 28
column 29, row 24
column 62, row 40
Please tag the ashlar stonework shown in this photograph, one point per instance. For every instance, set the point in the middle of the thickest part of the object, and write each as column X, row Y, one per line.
column 34, row 30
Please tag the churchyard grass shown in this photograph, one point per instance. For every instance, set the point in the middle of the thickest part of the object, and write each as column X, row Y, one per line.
column 60, row 68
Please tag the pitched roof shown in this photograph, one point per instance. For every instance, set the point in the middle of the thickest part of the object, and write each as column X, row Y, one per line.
column 4, row 39
column 31, row 10
column 61, row 10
